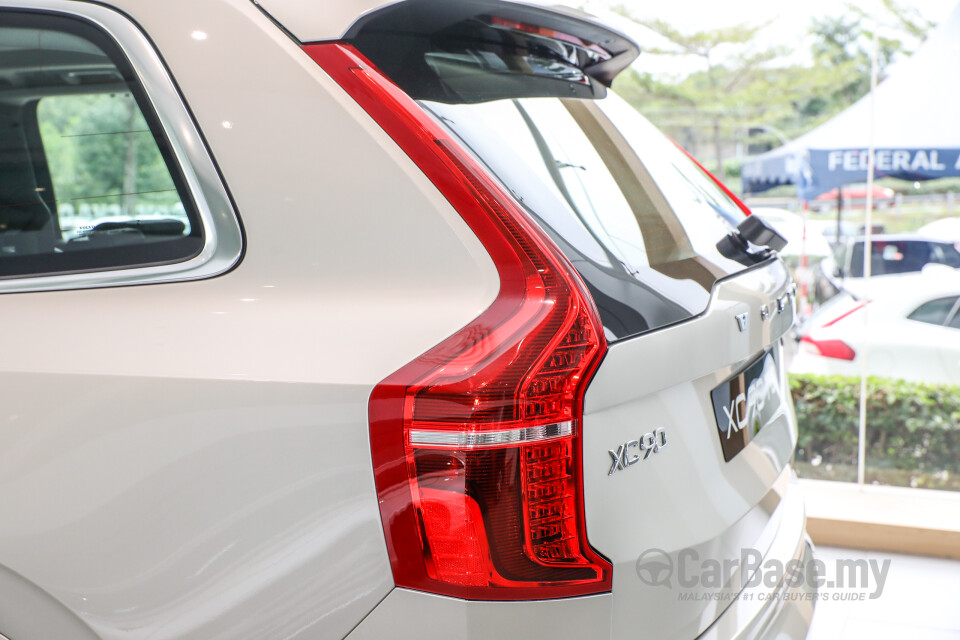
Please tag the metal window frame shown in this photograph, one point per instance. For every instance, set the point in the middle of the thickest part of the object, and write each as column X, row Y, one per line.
column 223, row 235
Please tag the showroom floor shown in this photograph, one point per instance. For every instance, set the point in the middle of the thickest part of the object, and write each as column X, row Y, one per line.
column 918, row 600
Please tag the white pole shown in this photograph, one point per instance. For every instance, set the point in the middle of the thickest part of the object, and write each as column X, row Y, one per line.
column 867, row 263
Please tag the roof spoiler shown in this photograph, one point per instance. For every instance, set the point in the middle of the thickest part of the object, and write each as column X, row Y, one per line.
column 416, row 42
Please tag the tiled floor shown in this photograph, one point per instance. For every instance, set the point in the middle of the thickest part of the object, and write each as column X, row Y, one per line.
column 920, row 600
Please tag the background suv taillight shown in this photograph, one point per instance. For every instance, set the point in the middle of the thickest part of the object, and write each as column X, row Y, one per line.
column 476, row 443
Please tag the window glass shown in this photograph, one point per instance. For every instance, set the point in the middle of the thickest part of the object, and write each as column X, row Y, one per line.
column 87, row 179
column 934, row 312
column 902, row 256
column 106, row 167
column 634, row 215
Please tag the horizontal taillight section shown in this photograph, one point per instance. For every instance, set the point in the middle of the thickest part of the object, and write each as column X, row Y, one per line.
column 828, row 348
column 476, row 444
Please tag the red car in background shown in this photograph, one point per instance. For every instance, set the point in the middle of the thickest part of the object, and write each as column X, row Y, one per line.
column 856, row 197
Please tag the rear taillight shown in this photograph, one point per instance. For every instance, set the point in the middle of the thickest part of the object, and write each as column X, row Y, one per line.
column 476, row 443
column 828, row 348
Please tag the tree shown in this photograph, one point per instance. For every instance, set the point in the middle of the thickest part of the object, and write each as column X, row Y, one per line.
column 743, row 87
column 904, row 20
column 717, row 93
column 843, row 46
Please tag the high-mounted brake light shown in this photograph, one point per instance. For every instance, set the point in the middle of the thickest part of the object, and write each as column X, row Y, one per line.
column 476, row 443
column 553, row 34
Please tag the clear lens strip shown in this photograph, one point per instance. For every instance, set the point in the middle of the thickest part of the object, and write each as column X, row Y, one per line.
column 479, row 439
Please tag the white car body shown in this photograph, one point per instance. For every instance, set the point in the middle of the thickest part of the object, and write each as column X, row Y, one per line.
column 945, row 229
column 895, row 257
column 882, row 331
column 199, row 464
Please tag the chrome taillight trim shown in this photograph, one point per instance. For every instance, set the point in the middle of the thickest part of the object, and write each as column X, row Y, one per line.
column 478, row 439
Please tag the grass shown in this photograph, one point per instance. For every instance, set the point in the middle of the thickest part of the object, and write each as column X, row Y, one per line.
column 911, row 216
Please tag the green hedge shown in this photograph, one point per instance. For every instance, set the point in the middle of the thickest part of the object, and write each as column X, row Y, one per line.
column 910, row 426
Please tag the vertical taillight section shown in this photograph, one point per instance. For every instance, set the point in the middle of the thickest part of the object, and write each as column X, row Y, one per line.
column 476, row 444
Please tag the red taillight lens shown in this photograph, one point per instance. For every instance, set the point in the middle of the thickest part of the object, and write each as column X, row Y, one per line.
column 828, row 348
column 476, row 448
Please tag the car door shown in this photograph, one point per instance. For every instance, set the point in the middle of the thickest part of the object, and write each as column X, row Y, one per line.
column 924, row 346
column 170, row 465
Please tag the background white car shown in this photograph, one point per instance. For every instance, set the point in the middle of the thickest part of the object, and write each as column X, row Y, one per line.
column 892, row 257
column 910, row 329
column 945, row 229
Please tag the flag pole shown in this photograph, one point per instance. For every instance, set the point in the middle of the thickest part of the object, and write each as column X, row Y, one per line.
column 867, row 260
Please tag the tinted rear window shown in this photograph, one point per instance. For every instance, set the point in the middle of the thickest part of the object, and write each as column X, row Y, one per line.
column 638, row 219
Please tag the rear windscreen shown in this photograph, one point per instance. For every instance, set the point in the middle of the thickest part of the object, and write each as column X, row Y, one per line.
column 902, row 256
column 638, row 219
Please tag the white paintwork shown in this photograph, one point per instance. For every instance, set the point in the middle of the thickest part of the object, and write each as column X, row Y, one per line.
column 686, row 496
column 945, row 230
column 312, row 21
column 781, row 612
column 192, row 460
column 896, row 346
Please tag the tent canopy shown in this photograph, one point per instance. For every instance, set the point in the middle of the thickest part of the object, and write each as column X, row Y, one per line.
column 917, row 133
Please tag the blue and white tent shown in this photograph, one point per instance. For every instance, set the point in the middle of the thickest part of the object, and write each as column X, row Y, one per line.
column 917, row 134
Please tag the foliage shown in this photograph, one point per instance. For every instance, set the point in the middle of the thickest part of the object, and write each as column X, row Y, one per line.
column 906, row 20
column 743, row 89
column 98, row 147
column 722, row 90
column 844, row 46
column 911, row 426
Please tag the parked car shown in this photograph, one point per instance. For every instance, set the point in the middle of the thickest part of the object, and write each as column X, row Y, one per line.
column 828, row 229
column 909, row 330
column 891, row 256
column 855, row 197
column 944, row 229
column 440, row 345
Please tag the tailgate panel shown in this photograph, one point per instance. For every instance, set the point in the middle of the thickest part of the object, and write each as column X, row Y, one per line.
column 660, row 501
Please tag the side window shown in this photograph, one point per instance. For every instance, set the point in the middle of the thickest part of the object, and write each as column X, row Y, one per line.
column 88, row 181
column 107, row 170
column 955, row 321
column 934, row 312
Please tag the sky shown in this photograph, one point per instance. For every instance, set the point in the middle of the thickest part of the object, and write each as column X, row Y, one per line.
column 789, row 20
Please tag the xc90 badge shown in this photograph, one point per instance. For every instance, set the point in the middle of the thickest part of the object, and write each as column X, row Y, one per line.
column 632, row 452
column 747, row 402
